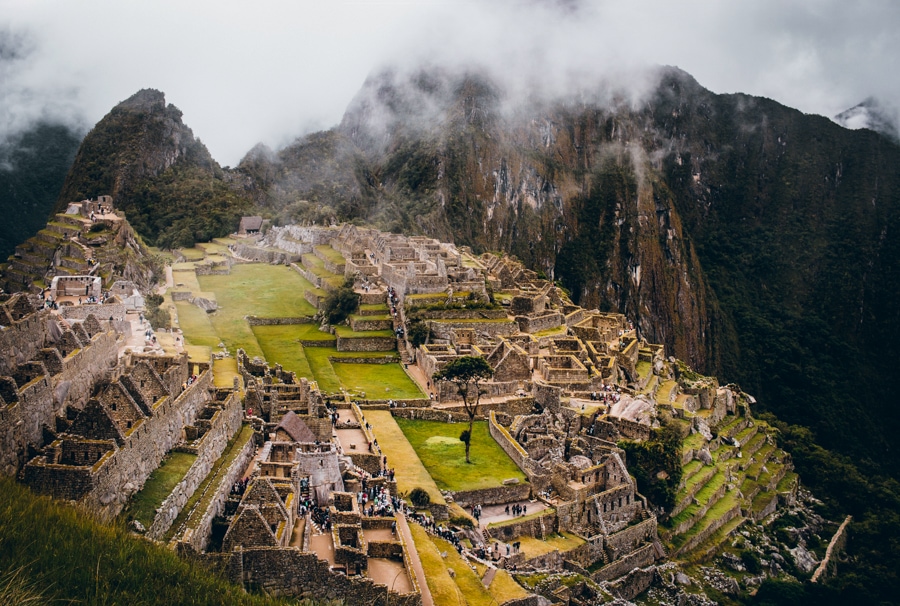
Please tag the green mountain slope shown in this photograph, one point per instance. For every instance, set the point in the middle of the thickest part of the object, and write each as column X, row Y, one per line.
column 172, row 190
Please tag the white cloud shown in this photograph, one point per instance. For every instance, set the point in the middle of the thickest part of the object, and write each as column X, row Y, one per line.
column 268, row 71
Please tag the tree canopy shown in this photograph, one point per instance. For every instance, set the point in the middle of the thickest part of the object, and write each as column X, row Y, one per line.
column 467, row 373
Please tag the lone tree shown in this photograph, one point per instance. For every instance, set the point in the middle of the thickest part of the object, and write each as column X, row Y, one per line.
column 467, row 373
column 341, row 303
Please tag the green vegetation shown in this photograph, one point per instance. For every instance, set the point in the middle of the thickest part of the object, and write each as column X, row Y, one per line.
column 443, row 589
column 656, row 464
column 195, row 325
column 378, row 381
column 158, row 486
column 466, row 373
column 266, row 291
column 340, row 303
column 155, row 313
column 438, row 447
column 55, row 553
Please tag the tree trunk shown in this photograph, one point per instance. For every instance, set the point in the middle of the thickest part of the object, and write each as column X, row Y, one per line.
column 469, row 441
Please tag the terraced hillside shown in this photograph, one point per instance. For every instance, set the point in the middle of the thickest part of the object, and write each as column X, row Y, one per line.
column 732, row 472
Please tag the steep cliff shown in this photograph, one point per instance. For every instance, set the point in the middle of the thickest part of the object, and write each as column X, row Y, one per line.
column 143, row 155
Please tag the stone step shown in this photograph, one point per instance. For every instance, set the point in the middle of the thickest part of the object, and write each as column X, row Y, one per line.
column 704, row 500
column 759, row 460
column 749, row 449
column 692, row 487
column 746, row 434
column 726, row 509
column 711, row 546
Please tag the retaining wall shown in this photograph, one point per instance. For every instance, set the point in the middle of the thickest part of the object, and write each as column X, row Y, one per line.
column 224, row 424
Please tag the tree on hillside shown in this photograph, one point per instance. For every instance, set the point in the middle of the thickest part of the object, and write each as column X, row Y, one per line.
column 467, row 373
column 339, row 304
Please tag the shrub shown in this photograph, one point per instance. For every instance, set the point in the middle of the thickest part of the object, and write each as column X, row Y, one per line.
column 341, row 303
column 419, row 497
column 751, row 561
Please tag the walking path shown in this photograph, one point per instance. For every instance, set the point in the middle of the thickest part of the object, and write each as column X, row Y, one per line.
column 403, row 527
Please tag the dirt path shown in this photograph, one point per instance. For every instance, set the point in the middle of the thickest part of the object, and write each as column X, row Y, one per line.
column 403, row 527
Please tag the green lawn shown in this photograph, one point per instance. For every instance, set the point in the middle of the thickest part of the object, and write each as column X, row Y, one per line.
column 443, row 455
column 281, row 345
column 159, row 486
column 443, row 589
column 195, row 324
column 322, row 369
column 267, row 291
column 224, row 372
column 378, row 381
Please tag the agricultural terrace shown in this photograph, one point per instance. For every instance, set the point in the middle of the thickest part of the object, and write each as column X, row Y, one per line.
column 266, row 291
column 444, row 456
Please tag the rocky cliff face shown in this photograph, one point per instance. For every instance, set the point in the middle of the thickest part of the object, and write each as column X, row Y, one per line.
column 759, row 240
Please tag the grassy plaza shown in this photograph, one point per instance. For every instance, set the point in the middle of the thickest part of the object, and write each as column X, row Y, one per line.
column 443, row 454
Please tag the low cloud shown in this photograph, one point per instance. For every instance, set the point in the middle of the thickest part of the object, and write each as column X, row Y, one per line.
column 244, row 73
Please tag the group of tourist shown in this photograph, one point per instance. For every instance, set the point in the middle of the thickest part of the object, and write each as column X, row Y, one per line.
column 189, row 382
column 239, row 487
column 430, row 526
column 516, row 510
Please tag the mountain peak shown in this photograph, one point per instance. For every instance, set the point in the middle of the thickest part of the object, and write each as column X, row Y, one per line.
column 874, row 115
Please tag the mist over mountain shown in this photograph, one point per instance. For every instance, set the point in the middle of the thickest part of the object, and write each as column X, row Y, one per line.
column 33, row 165
column 874, row 115
column 756, row 242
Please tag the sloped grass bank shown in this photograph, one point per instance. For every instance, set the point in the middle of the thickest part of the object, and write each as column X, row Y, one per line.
column 67, row 557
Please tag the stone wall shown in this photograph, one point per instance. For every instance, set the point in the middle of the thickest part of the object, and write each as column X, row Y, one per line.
column 196, row 539
column 508, row 444
column 628, row 539
column 443, row 329
column 547, row 396
column 430, row 414
column 223, row 426
column 26, row 410
column 262, row 255
column 256, row 321
column 497, row 495
column 539, row 527
column 533, row 324
column 83, row 369
column 644, row 556
column 366, row 343
column 634, row 583
column 631, row 429
column 290, row 572
column 21, row 340
column 102, row 312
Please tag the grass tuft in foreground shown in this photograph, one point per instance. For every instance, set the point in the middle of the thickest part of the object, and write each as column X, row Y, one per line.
column 57, row 553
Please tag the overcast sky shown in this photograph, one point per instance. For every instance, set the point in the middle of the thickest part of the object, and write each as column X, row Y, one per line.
column 270, row 70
